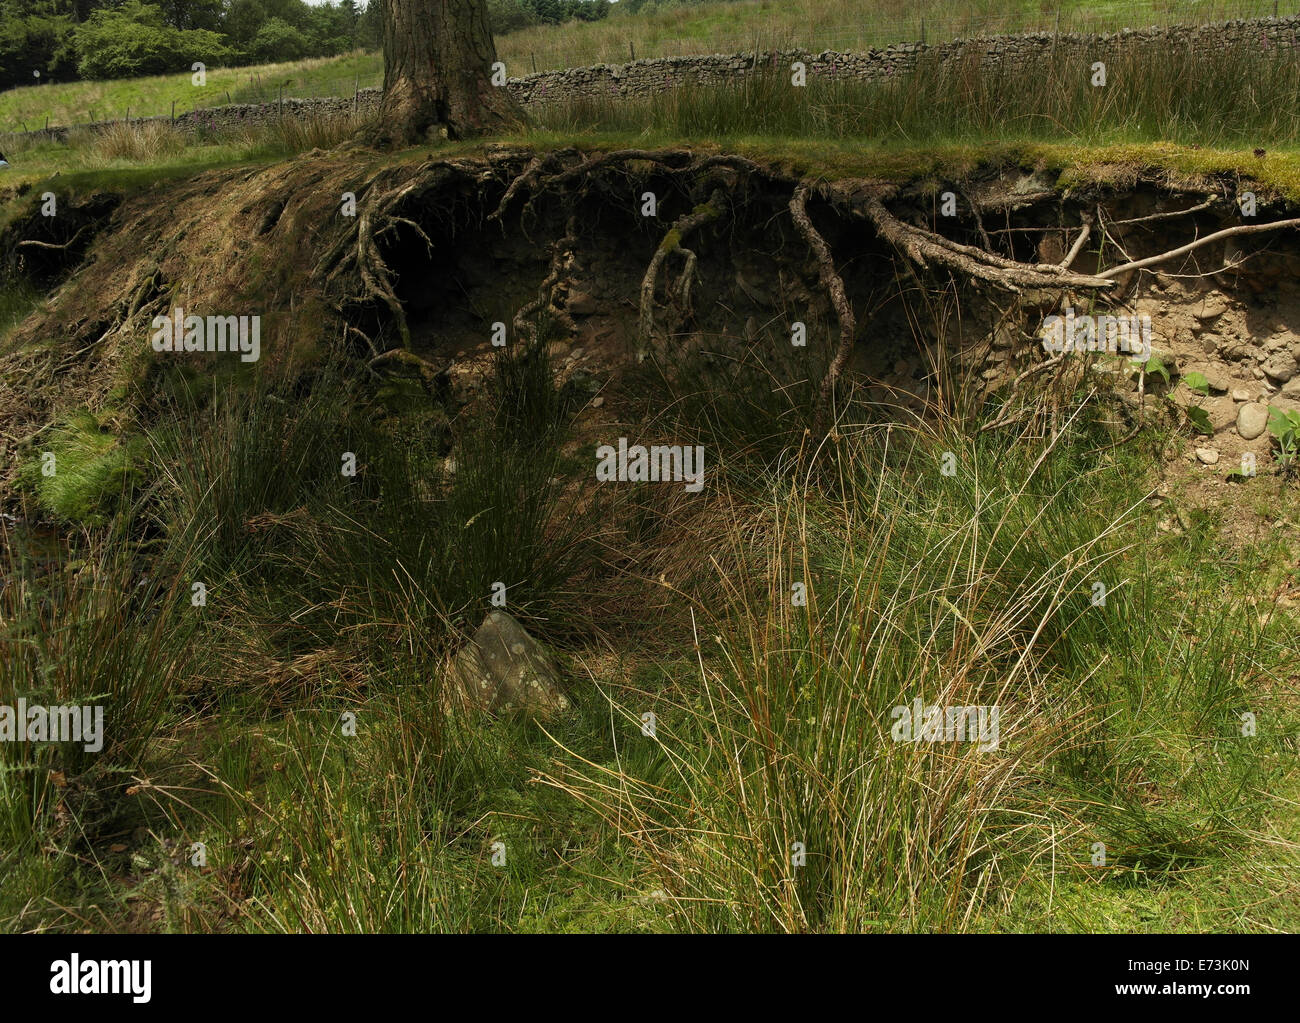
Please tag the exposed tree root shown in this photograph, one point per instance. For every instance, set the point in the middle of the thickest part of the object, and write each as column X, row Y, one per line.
column 922, row 247
column 525, row 321
column 672, row 242
column 1139, row 264
column 834, row 285
column 399, row 202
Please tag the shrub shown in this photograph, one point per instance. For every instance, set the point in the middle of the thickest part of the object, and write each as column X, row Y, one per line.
column 134, row 40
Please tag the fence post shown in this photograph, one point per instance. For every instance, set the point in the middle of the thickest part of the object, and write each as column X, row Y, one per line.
column 228, row 97
column 534, row 56
column 631, row 46
column 173, row 111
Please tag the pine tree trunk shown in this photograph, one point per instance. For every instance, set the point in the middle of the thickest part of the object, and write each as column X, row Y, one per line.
column 438, row 57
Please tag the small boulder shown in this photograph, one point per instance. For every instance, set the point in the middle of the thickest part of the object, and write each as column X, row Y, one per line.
column 1252, row 419
column 503, row 670
column 1211, row 308
column 1281, row 366
column 1207, row 456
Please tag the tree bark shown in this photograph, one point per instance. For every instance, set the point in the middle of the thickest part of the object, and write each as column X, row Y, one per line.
column 438, row 57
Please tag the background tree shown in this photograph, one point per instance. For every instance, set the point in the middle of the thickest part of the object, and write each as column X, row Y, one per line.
column 438, row 57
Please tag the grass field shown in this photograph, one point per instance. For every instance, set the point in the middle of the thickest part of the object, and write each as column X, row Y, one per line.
column 847, row 25
column 74, row 103
column 1199, row 112
column 970, row 589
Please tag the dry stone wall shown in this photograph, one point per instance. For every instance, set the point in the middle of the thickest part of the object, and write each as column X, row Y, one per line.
column 651, row 76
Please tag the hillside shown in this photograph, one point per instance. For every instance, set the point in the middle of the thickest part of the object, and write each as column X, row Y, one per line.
column 673, row 516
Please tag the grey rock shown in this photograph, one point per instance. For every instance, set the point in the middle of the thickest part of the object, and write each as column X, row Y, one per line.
column 1281, row 366
column 1213, row 307
column 503, row 670
column 1207, row 455
column 1216, row 378
column 1252, row 418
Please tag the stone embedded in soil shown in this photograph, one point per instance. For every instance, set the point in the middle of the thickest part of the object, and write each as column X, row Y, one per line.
column 1252, row 420
column 1212, row 308
column 1281, row 366
column 1242, row 394
column 504, row 670
column 1207, row 455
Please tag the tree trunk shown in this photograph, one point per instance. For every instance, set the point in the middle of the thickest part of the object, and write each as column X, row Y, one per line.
column 438, row 57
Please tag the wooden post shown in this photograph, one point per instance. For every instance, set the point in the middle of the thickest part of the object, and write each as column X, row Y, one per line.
column 534, row 56
column 631, row 47
column 227, row 97
column 173, row 111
